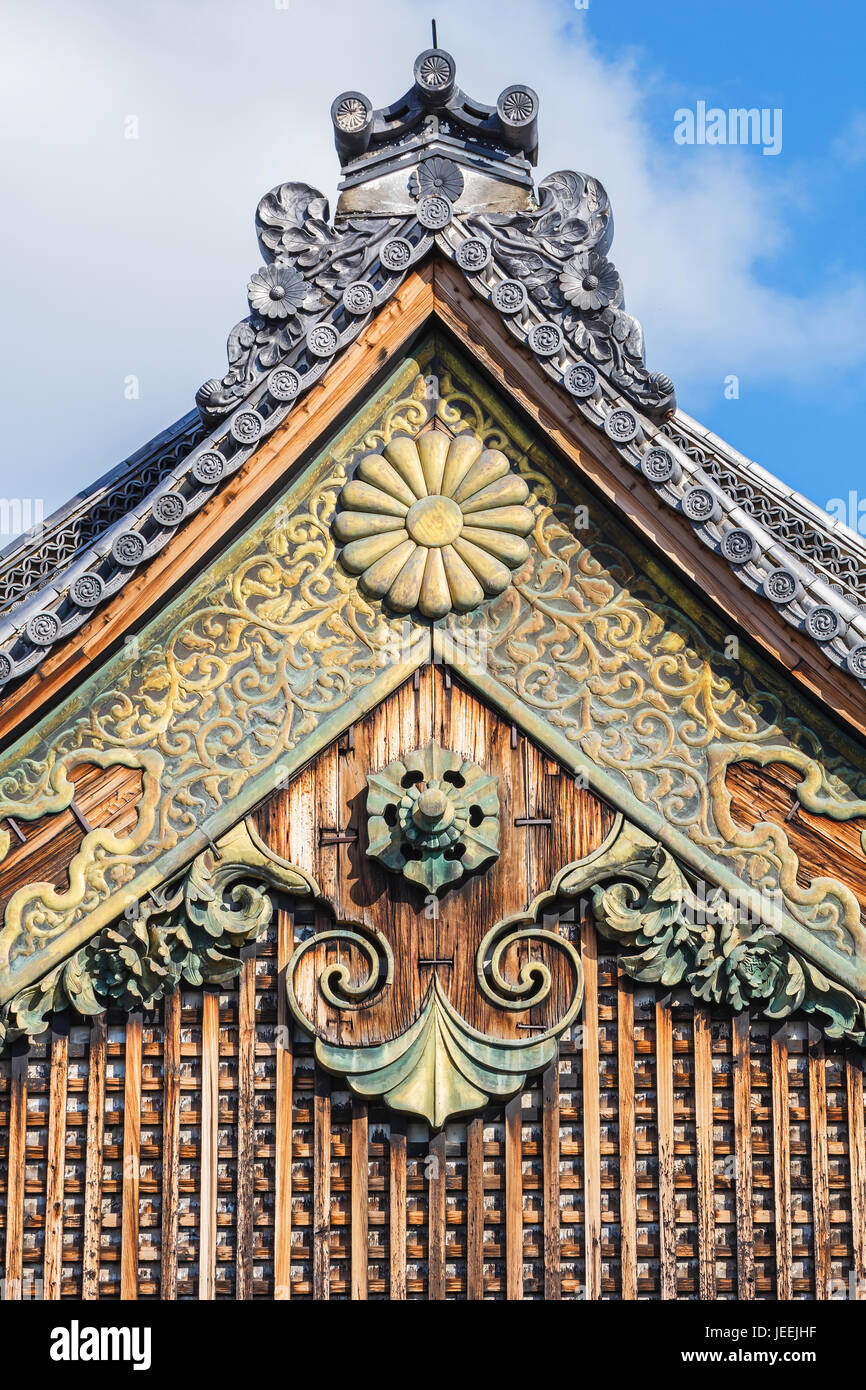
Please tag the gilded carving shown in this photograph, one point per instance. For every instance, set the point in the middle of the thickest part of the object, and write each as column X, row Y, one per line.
column 675, row 935
column 592, row 647
column 439, row 1066
column 192, row 932
column 434, row 523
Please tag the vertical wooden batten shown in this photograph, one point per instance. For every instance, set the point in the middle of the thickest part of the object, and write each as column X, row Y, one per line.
column 514, row 1198
column 703, row 1085
column 856, row 1168
column 209, row 1137
column 591, row 1112
column 284, row 1063
column 93, row 1159
column 170, row 1145
column 665, row 1125
column 53, row 1258
column 360, row 1173
column 397, row 1208
column 626, row 1136
column 550, row 1158
column 781, row 1160
column 819, row 1162
column 475, row 1209
column 16, row 1172
column 131, row 1157
column 742, row 1064
column 322, row 1187
column 245, row 1165
column 436, row 1217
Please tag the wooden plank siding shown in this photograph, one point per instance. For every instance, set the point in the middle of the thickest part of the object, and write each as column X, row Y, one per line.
column 514, row 1203
column 199, row 1152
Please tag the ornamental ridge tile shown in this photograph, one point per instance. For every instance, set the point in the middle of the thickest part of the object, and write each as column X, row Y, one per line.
column 437, row 173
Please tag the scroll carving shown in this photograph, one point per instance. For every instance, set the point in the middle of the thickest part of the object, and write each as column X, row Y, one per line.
column 192, row 933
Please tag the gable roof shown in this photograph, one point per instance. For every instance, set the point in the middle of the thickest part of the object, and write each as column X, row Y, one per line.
column 425, row 179
column 250, row 664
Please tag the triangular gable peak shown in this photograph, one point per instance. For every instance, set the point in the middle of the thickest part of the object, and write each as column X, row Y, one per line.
column 557, row 617
column 439, row 174
column 502, row 425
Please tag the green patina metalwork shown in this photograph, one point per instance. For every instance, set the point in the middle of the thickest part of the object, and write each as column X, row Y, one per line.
column 594, row 648
column 192, row 932
column 433, row 817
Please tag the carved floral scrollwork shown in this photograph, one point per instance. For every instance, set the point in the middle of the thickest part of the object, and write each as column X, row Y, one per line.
column 192, row 933
column 440, row 1066
column 533, row 983
column 559, row 254
column 335, row 980
column 309, row 264
column 677, row 935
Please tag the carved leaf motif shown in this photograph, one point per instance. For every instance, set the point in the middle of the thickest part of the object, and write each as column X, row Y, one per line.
column 294, row 218
column 193, row 935
column 710, row 944
column 440, row 1067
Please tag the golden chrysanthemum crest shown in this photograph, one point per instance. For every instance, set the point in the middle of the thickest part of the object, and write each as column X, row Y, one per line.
column 434, row 523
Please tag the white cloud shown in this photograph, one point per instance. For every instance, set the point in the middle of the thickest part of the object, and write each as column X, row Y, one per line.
column 850, row 145
column 131, row 256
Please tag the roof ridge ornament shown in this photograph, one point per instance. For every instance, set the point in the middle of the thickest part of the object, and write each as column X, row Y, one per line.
column 378, row 146
column 540, row 260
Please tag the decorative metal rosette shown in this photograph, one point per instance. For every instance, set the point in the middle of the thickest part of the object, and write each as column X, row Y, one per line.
column 581, row 381
column 284, row 384
column 87, row 590
column 350, row 112
column 42, row 629
column 358, row 298
column 396, row 253
column 546, row 339
column 509, row 297
column 473, row 255
column 517, row 106
column 128, row 548
column 622, row 426
column 823, row 623
column 209, row 467
column 246, row 427
column 277, row 291
column 782, row 586
column 323, row 340
column 589, row 281
column 660, row 466
column 434, row 212
column 434, row 524
column 435, row 74
column 432, row 817
column 169, row 509
column 739, row 546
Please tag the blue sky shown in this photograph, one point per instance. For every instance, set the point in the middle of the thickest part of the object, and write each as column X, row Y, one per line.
column 127, row 257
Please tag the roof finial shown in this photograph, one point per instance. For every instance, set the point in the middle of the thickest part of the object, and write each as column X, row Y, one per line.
column 433, row 27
